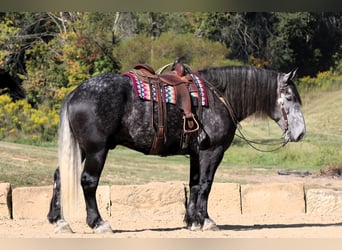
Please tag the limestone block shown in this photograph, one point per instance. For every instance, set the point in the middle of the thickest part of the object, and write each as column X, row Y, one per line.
column 323, row 201
column 148, row 200
column 224, row 197
column 5, row 201
column 31, row 202
column 34, row 202
column 273, row 198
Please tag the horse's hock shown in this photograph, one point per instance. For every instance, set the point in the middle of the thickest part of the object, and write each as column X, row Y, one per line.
column 159, row 199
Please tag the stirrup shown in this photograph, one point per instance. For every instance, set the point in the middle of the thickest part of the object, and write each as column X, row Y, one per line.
column 190, row 124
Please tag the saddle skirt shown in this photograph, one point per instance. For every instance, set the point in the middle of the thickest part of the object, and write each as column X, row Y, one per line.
column 147, row 91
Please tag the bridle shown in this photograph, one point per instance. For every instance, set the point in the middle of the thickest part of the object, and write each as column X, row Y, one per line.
column 237, row 124
column 283, row 112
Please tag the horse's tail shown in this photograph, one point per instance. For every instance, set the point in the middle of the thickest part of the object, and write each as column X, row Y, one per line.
column 70, row 167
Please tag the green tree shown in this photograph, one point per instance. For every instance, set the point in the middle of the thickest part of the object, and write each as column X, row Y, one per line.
column 245, row 33
column 327, row 41
column 281, row 40
column 291, row 40
column 310, row 41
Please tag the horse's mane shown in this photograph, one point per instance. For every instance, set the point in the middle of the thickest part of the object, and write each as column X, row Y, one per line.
column 248, row 89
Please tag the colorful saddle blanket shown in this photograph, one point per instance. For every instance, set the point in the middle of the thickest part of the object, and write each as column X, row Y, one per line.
column 147, row 91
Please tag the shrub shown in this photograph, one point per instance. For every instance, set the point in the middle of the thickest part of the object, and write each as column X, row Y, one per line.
column 326, row 80
column 197, row 52
column 20, row 122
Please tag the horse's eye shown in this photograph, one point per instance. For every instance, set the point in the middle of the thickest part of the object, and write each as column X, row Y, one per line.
column 289, row 97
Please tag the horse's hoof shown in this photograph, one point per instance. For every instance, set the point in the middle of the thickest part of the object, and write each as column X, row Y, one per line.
column 104, row 227
column 63, row 227
column 209, row 225
column 195, row 226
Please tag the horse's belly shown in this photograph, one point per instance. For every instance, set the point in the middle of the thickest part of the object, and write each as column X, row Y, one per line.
column 140, row 132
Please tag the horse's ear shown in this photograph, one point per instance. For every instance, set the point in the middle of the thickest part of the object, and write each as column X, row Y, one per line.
column 290, row 75
column 294, row 73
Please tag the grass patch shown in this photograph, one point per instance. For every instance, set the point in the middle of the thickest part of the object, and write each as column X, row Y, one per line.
column 24, row 165
column 124, row 166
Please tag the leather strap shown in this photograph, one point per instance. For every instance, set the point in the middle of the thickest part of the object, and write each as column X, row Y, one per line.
column 182, row 84
column 159, row 136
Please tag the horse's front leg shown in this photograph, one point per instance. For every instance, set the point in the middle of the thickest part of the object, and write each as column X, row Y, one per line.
column 202, row 216
column 208, row 162
column 89, row 180
column 191, row 206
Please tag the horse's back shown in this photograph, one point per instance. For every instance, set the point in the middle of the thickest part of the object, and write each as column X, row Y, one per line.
column 100, row 88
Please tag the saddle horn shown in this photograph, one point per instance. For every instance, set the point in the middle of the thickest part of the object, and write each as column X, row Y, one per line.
column 162, row 69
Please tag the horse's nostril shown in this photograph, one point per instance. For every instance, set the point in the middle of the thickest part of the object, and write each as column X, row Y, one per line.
column 300, row 136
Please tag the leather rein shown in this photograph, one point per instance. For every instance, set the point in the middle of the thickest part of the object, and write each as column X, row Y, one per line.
column 237, row 124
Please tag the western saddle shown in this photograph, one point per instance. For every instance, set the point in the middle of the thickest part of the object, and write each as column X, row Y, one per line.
column 180, row 79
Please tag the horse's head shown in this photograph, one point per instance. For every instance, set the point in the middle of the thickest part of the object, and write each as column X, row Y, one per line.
column 287, row 112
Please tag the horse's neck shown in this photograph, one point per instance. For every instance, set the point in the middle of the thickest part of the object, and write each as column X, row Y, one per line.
column 247, row 90
column 236, row 105
column 247, row 102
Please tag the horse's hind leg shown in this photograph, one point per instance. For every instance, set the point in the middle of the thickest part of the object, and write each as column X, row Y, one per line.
column 55, row 206
column 55, row 215
column 89, row 180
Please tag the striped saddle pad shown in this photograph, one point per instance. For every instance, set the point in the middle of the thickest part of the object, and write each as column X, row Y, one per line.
column 147, row 91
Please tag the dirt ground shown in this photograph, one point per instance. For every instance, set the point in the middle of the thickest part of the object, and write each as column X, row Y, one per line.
column 170, row 225
column 293, row 226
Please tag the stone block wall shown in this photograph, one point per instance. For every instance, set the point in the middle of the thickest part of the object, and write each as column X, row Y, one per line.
column 169, row 198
